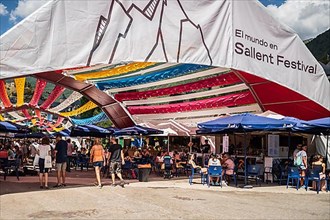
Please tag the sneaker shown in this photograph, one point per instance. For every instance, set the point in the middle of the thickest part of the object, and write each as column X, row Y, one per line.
column 46, row 187
column 100, row 186
column 302, row 187
column 63, row 184
column 57, row 186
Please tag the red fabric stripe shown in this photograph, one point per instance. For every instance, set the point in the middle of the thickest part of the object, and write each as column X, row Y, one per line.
column 57, row 91
column 224, row 79
column 26, row 113
column 3, row 95
column 40, row 86
column 231, row 100
column 59, row 121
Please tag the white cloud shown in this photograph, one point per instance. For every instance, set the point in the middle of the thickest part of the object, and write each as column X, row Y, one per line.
column 25, row 8
column 3, row 9
column 307, row 18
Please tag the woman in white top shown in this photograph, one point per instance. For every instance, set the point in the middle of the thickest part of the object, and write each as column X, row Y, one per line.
column 44, row 149
column 214, row 161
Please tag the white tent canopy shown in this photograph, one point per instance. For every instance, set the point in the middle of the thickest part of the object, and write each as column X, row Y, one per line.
column 235, row 35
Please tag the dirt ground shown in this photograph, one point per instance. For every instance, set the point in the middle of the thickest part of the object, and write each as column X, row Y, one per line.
column 156, row 199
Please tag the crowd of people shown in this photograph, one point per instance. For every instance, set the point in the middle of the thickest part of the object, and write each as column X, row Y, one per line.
column 110, row 159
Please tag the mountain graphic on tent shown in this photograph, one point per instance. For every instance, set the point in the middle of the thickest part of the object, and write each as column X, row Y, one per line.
column 152, row 12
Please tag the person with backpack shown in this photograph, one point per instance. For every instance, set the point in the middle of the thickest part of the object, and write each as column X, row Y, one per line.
column 294, row 155
column 301, row 163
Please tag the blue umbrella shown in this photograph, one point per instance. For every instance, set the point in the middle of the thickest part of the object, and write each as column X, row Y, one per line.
column 316, row 126
column 137, row 130
column 6, row 126
column 245, row 122
column 89, row 131
column 63, row 133
column 31, row 135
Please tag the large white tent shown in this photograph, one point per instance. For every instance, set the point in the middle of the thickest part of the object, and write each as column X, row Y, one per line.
column 272, row 67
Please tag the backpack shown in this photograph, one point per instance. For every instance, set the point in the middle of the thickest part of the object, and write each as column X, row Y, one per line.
column 298, row 160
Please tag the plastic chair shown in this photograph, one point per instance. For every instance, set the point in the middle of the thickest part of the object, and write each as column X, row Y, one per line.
column 312, row 175
column 253, row 172
column 214, row 171
column 82, row 161
column 128, row 170
column 167, row 168
column 283, row 174
column 11, row 165
column 293, row 174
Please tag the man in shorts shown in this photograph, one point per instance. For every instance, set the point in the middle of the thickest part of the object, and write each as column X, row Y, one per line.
column 116, row 160
column 61, row 158
column 303, row 167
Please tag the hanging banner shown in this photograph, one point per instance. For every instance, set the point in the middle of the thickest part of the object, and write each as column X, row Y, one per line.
column 225, row 144
column 75, row 96
column 273, row 145
column 40, row 86
column 20, row 86
column 221, row 80
column 57, row 91
column 3, row 95
column 243, row 98
column 171, row 72
column 113, row 72
column 88, row 106
column 92, row 120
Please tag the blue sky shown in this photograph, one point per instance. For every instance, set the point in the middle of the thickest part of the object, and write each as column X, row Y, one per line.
column 307, row 17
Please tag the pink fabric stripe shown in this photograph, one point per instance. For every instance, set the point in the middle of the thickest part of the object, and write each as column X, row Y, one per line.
column 230, row 100
column 224, row 79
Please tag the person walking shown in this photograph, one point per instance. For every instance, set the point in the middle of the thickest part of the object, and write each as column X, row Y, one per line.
column 97, row 157
column 61, row 158
column 44, row 150
column 116, row 160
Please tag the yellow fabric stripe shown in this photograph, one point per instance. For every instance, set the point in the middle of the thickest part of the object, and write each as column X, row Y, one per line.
column 57, row 129
column 34, row 121
column 20, row 86
column 1, row 118
column 88, row 106
column 115, row 71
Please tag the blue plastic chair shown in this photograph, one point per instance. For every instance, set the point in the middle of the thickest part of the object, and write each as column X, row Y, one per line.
column 293, row 174
column 214, row 171
column 82, row 161
column 283, row 174
column 313, row 176
column 254, row 172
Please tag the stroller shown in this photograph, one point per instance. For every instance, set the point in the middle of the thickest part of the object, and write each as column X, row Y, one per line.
column 167, row 167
